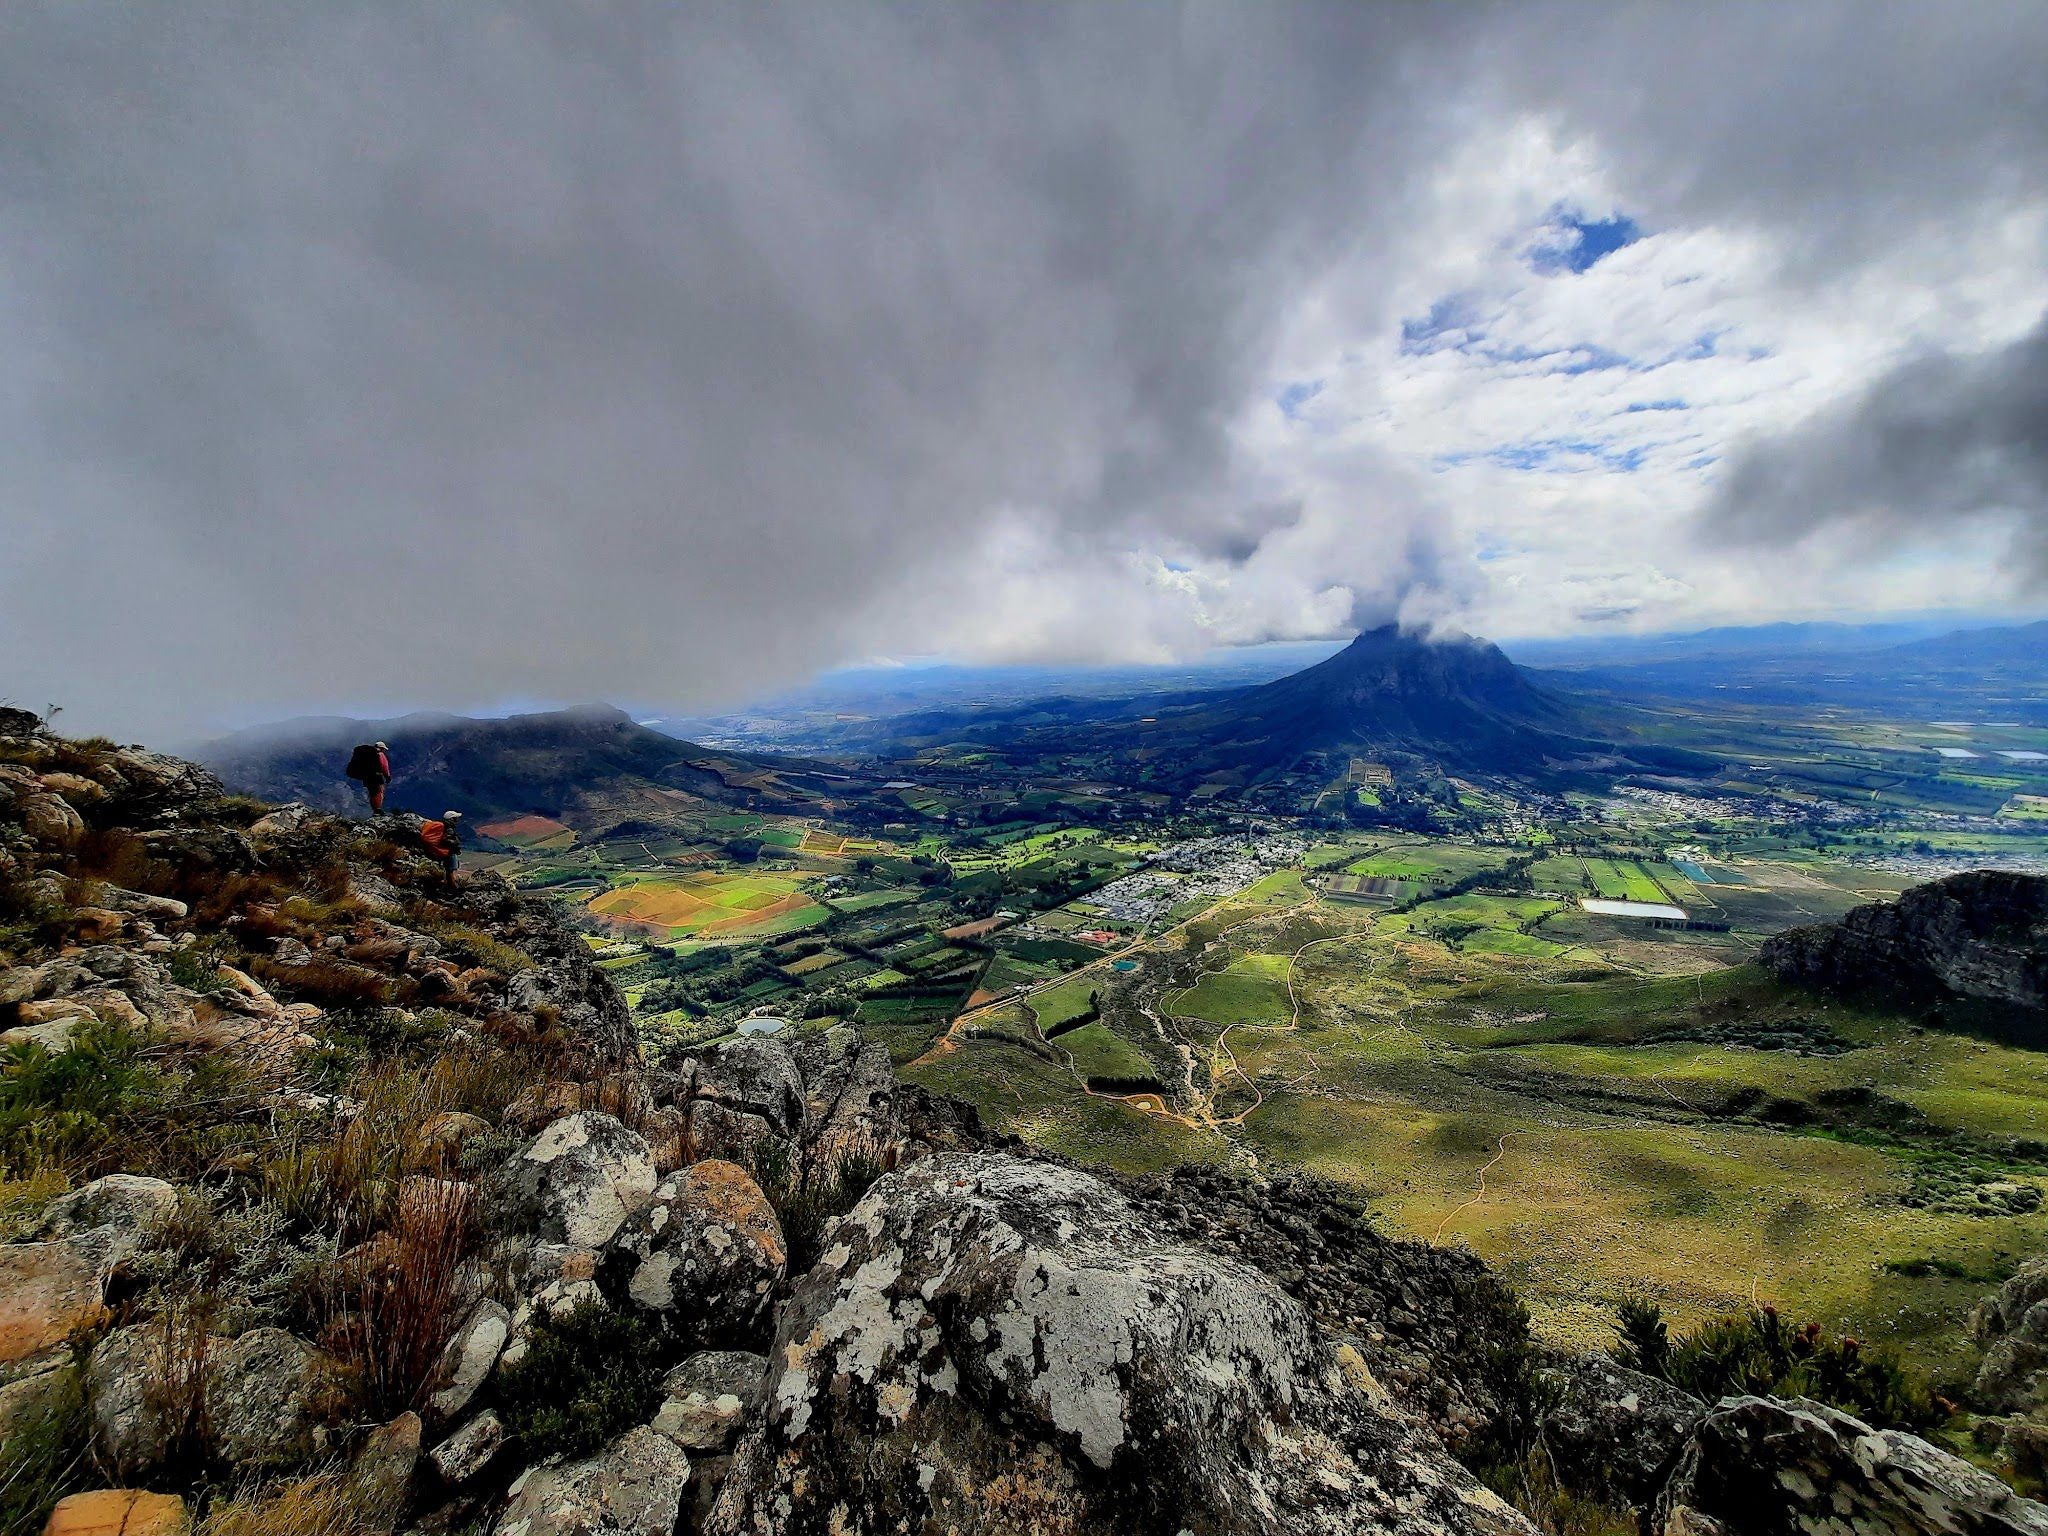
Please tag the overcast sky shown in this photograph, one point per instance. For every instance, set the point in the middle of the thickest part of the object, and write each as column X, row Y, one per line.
column 445, row 354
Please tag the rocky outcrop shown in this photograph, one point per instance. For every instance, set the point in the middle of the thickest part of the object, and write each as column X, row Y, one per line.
column 2012, row 1325
column 1763, row 1467
column 1432, row 1324
column 581, row 1178
column 1981, row 935
column 704, row 1252
column 1611, row 1433
column 823, row 1094
column 996, row 1345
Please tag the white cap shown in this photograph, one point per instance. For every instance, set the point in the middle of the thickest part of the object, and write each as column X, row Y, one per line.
column 451, row 815
column 383, row 746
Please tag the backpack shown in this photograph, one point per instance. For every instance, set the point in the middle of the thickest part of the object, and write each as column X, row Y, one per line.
column 363, row 763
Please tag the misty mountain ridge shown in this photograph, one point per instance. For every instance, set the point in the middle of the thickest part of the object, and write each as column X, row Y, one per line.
column 587, row 763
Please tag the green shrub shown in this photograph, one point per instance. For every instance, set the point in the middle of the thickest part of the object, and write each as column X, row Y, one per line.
column 478, row 947
column 1758, row 1353
column 1645, row 1343
column 589, row 1376
column 196, row 967
column 810, row 1189
column 59, row 1107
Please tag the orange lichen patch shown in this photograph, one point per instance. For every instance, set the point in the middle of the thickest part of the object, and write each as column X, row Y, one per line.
column 729, row 1193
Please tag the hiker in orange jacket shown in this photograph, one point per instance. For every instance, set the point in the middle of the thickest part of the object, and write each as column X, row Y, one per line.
column 443, row 841
column 371, row 764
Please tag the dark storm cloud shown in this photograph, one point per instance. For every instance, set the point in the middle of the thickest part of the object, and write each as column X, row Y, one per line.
column 1940, row 441
column 438, row 354
column 474, row 350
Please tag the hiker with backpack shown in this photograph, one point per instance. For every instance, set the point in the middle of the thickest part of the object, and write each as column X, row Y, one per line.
column 370, row 764
column 443, row 841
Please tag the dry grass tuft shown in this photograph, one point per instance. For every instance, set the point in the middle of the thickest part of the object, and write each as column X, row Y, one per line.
column 317, row 1506
column 393, row 1307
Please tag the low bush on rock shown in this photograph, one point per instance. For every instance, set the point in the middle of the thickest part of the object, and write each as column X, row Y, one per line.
column 1759, row 1354
column 587, row 1377
column 812, row 1188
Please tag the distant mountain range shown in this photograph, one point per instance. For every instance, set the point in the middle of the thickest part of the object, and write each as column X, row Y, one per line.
column 1458, row 703
column 584, row 765
column 1963, row 672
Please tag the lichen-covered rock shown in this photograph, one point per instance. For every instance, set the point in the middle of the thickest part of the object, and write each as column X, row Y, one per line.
column 1612, row 1433
column 117, row 1214
column 705, row 1251
column 50, row 1289
column 471, row 1355
column 1764, row 1467
column 267, row 1398
column 636, row 1488
column 710, row 1397
column 469, row 1450
column 130, row 1391
column 995, row 1345
column 379, row 1483
column 581, row 1178
column 1433, row 1325
column 2012, row 1324
column 826, row 1093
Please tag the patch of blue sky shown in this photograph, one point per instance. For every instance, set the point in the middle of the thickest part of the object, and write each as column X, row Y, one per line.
column 1292, row 397
column 1567, row 455
column 1449, row 327
column 1673, row 404
column 1451, row 322
column 1571, row 242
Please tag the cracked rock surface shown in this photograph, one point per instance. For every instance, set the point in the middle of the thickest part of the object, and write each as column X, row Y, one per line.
column 997, row 1345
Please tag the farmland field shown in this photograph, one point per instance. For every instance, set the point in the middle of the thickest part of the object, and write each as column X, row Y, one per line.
column 710, row 905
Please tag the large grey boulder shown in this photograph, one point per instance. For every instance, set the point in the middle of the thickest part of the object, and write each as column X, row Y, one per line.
column 1767, row 1467
column 1613, row 1433
column 635, row 1488
column 705, row 1251
column 825, row 1093
column 267, row 1396
column 710, row 1397
column 581, row 1178
column 995, row 1345
column 117, row 1214
column 128, row 1384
